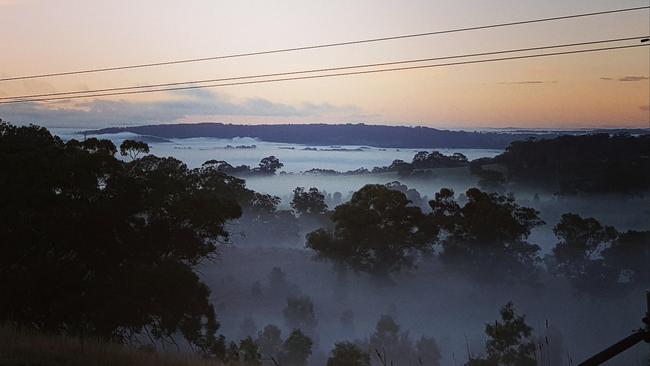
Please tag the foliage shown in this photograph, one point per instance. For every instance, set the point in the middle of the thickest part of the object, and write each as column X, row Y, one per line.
column 311, row 202
column 348, row 354
column 629, row 255
column 248, row 353
column 596, row 257
column 411, row 193
column 121, row 238
column 488, row 235
column 269, row 341
column 424, row 161
column 133, row 149
column 269, row 165
column 595, row 163
column 434, row 159
column 392, row 346
column 577, row 253
column 377, row 231
column 509, row 341
column 296, row 349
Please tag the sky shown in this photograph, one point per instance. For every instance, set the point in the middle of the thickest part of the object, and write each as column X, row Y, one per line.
column 605, row 89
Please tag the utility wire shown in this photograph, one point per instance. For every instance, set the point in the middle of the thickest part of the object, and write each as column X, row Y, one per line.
column 327, row 45
column 329, row 75
column 322, row 69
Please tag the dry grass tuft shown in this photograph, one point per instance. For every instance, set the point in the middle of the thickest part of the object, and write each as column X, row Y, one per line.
column 19, row 348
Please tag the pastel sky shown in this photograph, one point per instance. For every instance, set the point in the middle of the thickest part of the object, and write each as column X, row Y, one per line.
column 608, row 89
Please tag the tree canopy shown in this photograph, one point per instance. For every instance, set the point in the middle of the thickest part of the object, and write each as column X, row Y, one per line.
column 348, row 354
column 377, row 231
column 296, row 349
column 93, row 246
column 591, row 163
column 595, row 257
column 488, row 234
column 509, row 341
column 310, row 202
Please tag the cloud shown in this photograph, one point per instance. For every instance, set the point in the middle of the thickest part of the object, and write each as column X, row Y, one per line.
column 626, row 78
column 633, row 78
column 183, row 104
column 526, row 82
column 645, row 108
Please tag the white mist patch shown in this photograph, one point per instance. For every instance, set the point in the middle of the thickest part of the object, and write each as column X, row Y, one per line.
column 295, row 157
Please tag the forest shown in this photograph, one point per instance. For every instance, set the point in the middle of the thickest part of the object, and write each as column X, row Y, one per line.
column 112, row 243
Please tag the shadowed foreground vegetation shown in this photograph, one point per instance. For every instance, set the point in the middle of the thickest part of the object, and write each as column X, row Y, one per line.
column 32, row 349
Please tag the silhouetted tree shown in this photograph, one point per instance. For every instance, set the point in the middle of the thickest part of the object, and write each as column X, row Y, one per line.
column 435, row 159
column 248, row 353
column 296, row 349
column 389, row 345
column 270, row 342
column 348, row 354
column 577, row 254
column 133, row 149
column 231, row 353
column 411, row 194
column 509, row 342
column 225, row 167
column 310, row 202
column 93, row 246
column 386, row 339
column 269, row 165
column 593, row 163
column 629, row 257
column 488, row 235
column 377, row 231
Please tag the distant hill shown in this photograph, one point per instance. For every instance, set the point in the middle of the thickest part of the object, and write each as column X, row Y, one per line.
column 342, row 134
column 356, row 134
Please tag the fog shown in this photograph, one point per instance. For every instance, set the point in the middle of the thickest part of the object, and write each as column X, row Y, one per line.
column 430, row 300
column 296, row 158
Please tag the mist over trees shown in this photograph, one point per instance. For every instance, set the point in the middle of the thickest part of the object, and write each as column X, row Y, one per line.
column 377, row 231
column 109, row 242
column 489, row 232
column 510, row 342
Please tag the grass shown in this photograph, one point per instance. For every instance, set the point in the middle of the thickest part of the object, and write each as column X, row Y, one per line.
column 20, row 348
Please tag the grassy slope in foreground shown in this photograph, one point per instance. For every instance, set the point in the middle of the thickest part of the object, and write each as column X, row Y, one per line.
column 32, row 349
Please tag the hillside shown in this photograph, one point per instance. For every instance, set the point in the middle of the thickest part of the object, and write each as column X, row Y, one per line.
column 344, row 134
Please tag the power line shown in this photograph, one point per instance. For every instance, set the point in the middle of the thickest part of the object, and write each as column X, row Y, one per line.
column 322, row 69
column 329, row 75
column 327, row 45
